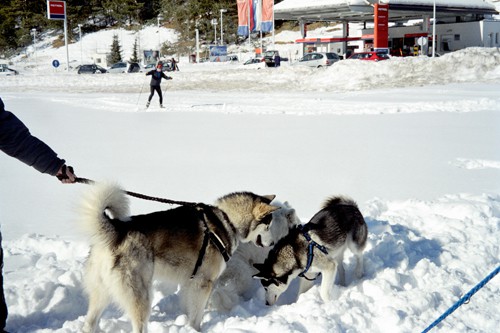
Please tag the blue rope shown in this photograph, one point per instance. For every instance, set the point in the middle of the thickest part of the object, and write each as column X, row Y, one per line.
column 464, row 299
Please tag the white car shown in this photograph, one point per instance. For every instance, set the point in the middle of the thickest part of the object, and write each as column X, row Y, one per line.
column 255, row 63
column 119, row 67
column 318, row 59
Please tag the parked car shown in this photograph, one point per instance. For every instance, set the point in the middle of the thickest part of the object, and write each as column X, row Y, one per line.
column 270, row 57
column 119, row 67
column 373, row 56
column 6, row 71
column 256, row 63
column 91, row 69
column 134, row 68
column 167, row 66
column 319, row 59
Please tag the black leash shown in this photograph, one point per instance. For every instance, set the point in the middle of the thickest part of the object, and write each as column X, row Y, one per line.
column 209, row 235
column 142, row 196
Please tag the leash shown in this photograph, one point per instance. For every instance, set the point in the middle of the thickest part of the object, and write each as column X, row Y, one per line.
column 464, row 300
column 310, row 251
column 141, row 196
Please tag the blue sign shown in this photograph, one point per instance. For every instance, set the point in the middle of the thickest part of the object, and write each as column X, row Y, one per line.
column 218, row 53
column 55, row 63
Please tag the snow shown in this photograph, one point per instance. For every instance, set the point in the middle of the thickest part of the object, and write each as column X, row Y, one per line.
column 413, row 140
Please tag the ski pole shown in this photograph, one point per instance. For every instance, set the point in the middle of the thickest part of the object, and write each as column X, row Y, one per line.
column 142, row 87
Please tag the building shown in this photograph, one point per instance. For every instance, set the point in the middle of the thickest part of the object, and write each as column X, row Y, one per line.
column 401, row 27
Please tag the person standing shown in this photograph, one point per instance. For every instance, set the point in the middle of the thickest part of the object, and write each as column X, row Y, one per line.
column 17, row 141
column 175, row 67
column 156, row 76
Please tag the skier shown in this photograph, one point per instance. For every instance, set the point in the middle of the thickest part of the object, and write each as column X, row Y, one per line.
column 156, row 76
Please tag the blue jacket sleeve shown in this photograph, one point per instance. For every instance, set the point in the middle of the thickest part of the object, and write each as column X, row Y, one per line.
column 17, row 141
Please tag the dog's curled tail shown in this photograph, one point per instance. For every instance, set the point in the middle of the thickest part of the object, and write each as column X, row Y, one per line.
column 339, row 200
column 102, row 203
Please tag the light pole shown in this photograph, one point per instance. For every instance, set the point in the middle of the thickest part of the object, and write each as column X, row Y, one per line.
column 33, row 32
column 221, row 25
column 81, row 44
column 214, row 23
column 160, row 17
column 434, row 30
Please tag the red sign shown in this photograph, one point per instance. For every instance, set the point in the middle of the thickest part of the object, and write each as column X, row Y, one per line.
column 381, row 33
column 56, row 10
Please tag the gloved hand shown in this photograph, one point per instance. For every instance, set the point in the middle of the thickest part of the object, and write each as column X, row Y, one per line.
column 66, row 174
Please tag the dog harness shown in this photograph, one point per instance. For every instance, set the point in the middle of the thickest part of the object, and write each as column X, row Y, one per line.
column 310, row 251
column 209, row 235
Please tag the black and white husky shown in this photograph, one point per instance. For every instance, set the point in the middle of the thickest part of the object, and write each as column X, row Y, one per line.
column 187, row 245
column 316, row 247
column 236, row 282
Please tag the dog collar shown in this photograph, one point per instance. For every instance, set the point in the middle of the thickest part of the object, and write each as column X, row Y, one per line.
column 310, row 251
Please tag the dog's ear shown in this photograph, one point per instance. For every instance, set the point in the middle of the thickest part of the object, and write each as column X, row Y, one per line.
column 261, row 274
column 261, row 209
column 270, row 197
column 291, row 217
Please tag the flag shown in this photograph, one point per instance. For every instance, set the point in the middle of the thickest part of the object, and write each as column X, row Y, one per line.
column 267, row 24
column 245, row 12
column 257, row 17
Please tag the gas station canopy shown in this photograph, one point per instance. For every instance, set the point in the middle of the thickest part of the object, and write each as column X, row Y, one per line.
column 362, row 10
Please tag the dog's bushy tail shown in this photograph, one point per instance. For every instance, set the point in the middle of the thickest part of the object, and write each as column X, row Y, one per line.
column 101, row 204
column 350, row 212
column 339, row 200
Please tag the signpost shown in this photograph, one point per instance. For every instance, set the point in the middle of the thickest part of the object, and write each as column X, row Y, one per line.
column 56, row 10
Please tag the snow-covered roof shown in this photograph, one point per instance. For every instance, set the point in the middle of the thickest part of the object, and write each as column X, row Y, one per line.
column 361, row 10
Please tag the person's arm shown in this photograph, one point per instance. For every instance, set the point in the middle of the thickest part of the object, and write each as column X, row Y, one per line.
column 150, row 72
column 165, row 76
column 17, row 141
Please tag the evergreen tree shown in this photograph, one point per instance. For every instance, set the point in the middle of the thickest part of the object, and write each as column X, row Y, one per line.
column 135, row 53
column 116, row 52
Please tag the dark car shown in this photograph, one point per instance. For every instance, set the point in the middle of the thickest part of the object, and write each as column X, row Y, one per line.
column 134, row 68
column 91, row 69
column 372, row 56
column 270, row 58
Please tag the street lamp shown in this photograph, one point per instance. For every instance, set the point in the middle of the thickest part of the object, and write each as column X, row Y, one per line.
column 221, row 25
column 81, row 44
column 214, row 23
column 160, row 17
column 33, row 33
column 434, row 29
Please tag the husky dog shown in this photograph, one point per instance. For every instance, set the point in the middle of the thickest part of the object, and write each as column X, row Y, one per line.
column 188, row 245
column 236, row 282
column 316, row 247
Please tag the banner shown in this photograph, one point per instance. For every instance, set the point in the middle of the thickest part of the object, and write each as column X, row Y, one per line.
column 267, row 24
column 260, row 16
column 257, row 17
column 245, row 12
